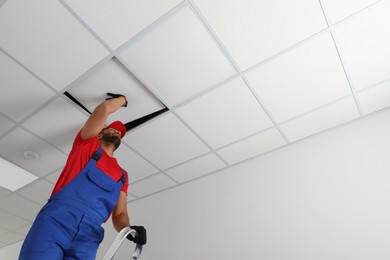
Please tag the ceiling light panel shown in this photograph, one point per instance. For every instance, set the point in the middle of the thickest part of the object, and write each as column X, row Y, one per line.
column 59, row 48
column 38, row 192
column 185, row 62
column 11, row 148
column 13, row 177
column 255, row 30
column 113, row 77
column 300, row 80
column 364, row 42
column 119, row 20
column 324, row 118
column 252, row 146
column 21, row 93
column 342, row 9
column 5, row 124
column 375, row 98
column 226, row 114
column 151, row 185
column 59, row 122
column 136, row 166
column 196, row 168
column 166, row 142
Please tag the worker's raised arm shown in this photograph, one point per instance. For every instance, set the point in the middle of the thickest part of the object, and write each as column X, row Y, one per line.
column 97, row 119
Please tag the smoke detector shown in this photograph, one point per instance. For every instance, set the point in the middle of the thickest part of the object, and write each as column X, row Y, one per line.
column 31, row 155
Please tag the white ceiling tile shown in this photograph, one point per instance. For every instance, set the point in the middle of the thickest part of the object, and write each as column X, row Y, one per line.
column 324, row 118
column 119, row 20
column 364, row 43
column 252, row 146
column 4, row 192
column 16, row 82
column 39, row 191
column 342, row 9
column 196, row 168
column 165, row 142
column 255, row 30
column 12, row 149
column 23, row 230
column 130, row 197
column 59, row 122
column 10, row 237
column 185, row 62
column 305, row 78
column 11, row 221
column 20, row 206
column 136, row 167
column 53, row 44
column 5, row 124
column 375, row 98
column 226, row 114
column 151, row 185
column 113, row 77
column 53, row 177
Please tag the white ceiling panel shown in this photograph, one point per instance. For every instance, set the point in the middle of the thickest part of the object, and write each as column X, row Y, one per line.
column 185, row 62
column 4, row 192
column 23, row 230
column 136, row 166
column 255, row 30
column 59, row 122
column 196, row 168
column 129, row 196
column 119, row 20
column 166, row 142
column 48, row 43
column 10, row 237
column 12, row 149
column 252, row 146
column 375, row 98
column 300, row 80
column 38, row 192
column 226, row 114
column 16, row 82
column 11, row 221
column 53, row 177
column 342, row 9
column 20, row 206
column 14, row 177
column 5, row 124
column 364, row 41
column 113, row 77
column 151, row 185
column 324, row 118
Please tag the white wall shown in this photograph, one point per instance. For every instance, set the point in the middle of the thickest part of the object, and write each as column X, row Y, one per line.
column 326, row 197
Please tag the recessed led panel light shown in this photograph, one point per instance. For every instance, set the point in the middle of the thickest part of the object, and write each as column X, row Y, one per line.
column 13, row 177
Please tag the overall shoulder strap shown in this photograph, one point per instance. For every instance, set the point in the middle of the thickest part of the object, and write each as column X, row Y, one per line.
column 96, row 156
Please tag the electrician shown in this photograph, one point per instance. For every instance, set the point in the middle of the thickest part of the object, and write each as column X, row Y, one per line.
column 91, row 187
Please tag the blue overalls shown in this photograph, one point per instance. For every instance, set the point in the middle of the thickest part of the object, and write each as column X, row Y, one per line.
column 69, row 225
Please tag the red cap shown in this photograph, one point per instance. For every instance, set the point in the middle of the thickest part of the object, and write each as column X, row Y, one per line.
column 119, row 126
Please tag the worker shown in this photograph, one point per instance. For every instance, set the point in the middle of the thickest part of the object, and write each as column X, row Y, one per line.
column 91, row 188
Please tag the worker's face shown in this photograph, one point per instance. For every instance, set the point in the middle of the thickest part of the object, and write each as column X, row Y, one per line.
column 112, row 136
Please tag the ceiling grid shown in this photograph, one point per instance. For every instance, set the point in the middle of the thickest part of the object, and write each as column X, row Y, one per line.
column 223, row 100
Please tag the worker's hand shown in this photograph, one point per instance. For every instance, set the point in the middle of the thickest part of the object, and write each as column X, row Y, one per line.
column 140, row 238
column 112, row 95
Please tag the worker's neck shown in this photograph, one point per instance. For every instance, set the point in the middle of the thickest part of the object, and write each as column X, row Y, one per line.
column 108, row 148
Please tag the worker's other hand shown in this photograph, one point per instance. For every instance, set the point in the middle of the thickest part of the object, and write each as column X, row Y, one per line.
column 112, row 95
column 140, row 238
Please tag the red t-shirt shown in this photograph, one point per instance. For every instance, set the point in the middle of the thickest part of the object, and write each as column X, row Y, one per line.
column 79, row 156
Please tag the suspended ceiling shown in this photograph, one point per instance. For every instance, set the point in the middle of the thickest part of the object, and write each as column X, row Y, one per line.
column 240, row 78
